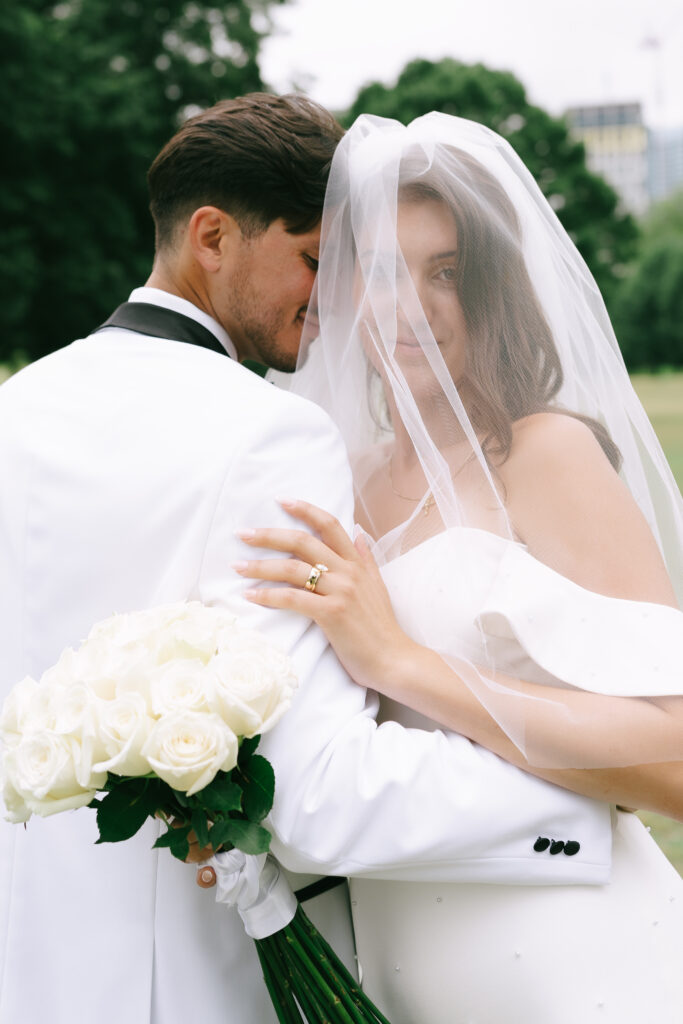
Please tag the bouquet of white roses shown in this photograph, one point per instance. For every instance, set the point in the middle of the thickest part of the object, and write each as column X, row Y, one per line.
column 161, row 711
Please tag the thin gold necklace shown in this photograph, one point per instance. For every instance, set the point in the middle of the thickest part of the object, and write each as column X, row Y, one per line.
column 430, row 500
column 429, row 503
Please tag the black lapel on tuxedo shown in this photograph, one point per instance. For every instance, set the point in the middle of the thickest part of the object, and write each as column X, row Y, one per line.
column 159, row 322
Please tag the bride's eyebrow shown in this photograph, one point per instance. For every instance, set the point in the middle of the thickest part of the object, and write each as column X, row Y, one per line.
column 444, row 255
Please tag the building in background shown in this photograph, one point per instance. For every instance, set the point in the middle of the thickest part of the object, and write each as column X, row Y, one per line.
column 666, row 162
column 642, row 165
column 617, row 148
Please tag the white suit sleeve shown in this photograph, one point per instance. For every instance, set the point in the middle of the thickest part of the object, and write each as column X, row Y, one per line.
column 352, row 797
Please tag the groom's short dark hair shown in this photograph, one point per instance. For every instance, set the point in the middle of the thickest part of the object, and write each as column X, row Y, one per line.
column 257, row 157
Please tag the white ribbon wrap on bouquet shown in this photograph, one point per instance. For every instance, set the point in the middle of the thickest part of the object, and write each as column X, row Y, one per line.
column 257, row 887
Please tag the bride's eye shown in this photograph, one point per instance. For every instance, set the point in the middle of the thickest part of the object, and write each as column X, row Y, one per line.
column 448, row 275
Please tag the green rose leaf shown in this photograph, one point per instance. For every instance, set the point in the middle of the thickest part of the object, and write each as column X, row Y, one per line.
column 222, row 795
column 247, row 748
column 120, row 814
column 200, row 826
column 176, row 840
column 258, row 787
column 153, row 794
column 244, row 835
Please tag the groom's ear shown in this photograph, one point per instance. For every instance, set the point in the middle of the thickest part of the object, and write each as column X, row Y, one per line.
column 213, row 236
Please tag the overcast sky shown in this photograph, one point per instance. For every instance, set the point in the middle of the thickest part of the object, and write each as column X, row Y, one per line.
column 565, row 53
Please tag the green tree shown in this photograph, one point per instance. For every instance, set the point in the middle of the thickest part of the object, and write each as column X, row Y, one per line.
column 91, row 91
column 663, row 220
column 648, row 312
column 586, row 205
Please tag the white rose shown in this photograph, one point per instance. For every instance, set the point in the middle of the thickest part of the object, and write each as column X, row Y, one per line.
column 233, row 637
column 16, row 710
column 106, row 667
column 179, row 685
column 41, row 770
column 62, row 672
column 74, row 714
column 71, row 709
column 252, row 687
column 187, row 749
column 124, row 728
column 16, row 810
column 194, row 634
column 39, row 713
column 134, row 627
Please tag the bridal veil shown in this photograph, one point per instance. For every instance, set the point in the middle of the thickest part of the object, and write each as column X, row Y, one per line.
column 451, row 304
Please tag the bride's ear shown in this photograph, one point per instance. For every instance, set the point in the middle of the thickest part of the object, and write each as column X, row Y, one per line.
column 213, row 236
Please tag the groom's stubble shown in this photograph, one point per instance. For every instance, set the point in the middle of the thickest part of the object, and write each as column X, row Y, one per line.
column 258, row 164
column 266, row 294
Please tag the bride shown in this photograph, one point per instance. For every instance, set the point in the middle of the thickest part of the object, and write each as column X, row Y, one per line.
column 520, row 540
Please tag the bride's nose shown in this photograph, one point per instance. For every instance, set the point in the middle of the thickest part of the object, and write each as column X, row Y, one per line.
column 413, row 305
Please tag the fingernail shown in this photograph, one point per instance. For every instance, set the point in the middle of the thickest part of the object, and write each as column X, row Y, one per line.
column 251, row 595
column 240, row 566
column 245, row 534
column 287, row 502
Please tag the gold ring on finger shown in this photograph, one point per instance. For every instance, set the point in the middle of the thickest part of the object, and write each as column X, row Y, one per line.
column 313, row 578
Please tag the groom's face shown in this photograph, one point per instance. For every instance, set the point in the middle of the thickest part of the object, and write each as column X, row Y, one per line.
column 265, row 292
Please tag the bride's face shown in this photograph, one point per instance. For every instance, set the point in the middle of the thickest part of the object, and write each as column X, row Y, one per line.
column 425, row 291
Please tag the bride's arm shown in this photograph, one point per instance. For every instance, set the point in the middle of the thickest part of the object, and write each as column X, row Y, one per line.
column 576, row 514
column 575, row 726
column 353, row 607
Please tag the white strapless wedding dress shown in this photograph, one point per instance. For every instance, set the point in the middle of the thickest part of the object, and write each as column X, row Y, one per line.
column 527, row 954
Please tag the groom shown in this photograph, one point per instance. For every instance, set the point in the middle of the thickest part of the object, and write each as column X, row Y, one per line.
column 129, row 460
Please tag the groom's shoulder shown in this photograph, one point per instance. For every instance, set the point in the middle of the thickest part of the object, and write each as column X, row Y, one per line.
column 227, row 388
column 175, row 388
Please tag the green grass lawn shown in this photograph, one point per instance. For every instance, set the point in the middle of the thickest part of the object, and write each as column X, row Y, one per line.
column 662, row 396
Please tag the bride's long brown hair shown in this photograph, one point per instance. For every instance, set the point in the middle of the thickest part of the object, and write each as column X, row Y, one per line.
column 513, row 368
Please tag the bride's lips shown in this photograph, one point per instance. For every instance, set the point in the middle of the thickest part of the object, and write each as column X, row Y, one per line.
column 408, row 344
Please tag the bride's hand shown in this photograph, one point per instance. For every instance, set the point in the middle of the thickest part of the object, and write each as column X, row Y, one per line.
column 349, row 600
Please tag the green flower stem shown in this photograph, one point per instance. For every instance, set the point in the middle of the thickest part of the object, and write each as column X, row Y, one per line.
column 281, row 971
column 327, row 989
column 327, row 959
column 278, row 987
column 314, row 1002
column 311, row 1006
column 320, row 968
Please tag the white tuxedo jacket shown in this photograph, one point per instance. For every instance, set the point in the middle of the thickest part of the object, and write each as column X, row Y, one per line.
column 127, row 463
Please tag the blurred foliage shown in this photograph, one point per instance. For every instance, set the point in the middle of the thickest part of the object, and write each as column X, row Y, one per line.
column 648, row 315
column 663, row 220
column 585, row 203
column 648, row 311
column 91, row 91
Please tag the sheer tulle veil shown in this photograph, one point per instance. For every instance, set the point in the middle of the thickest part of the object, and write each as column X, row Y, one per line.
column 426, row 355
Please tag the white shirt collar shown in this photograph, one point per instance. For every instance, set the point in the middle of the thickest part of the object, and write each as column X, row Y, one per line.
column 158, row 297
